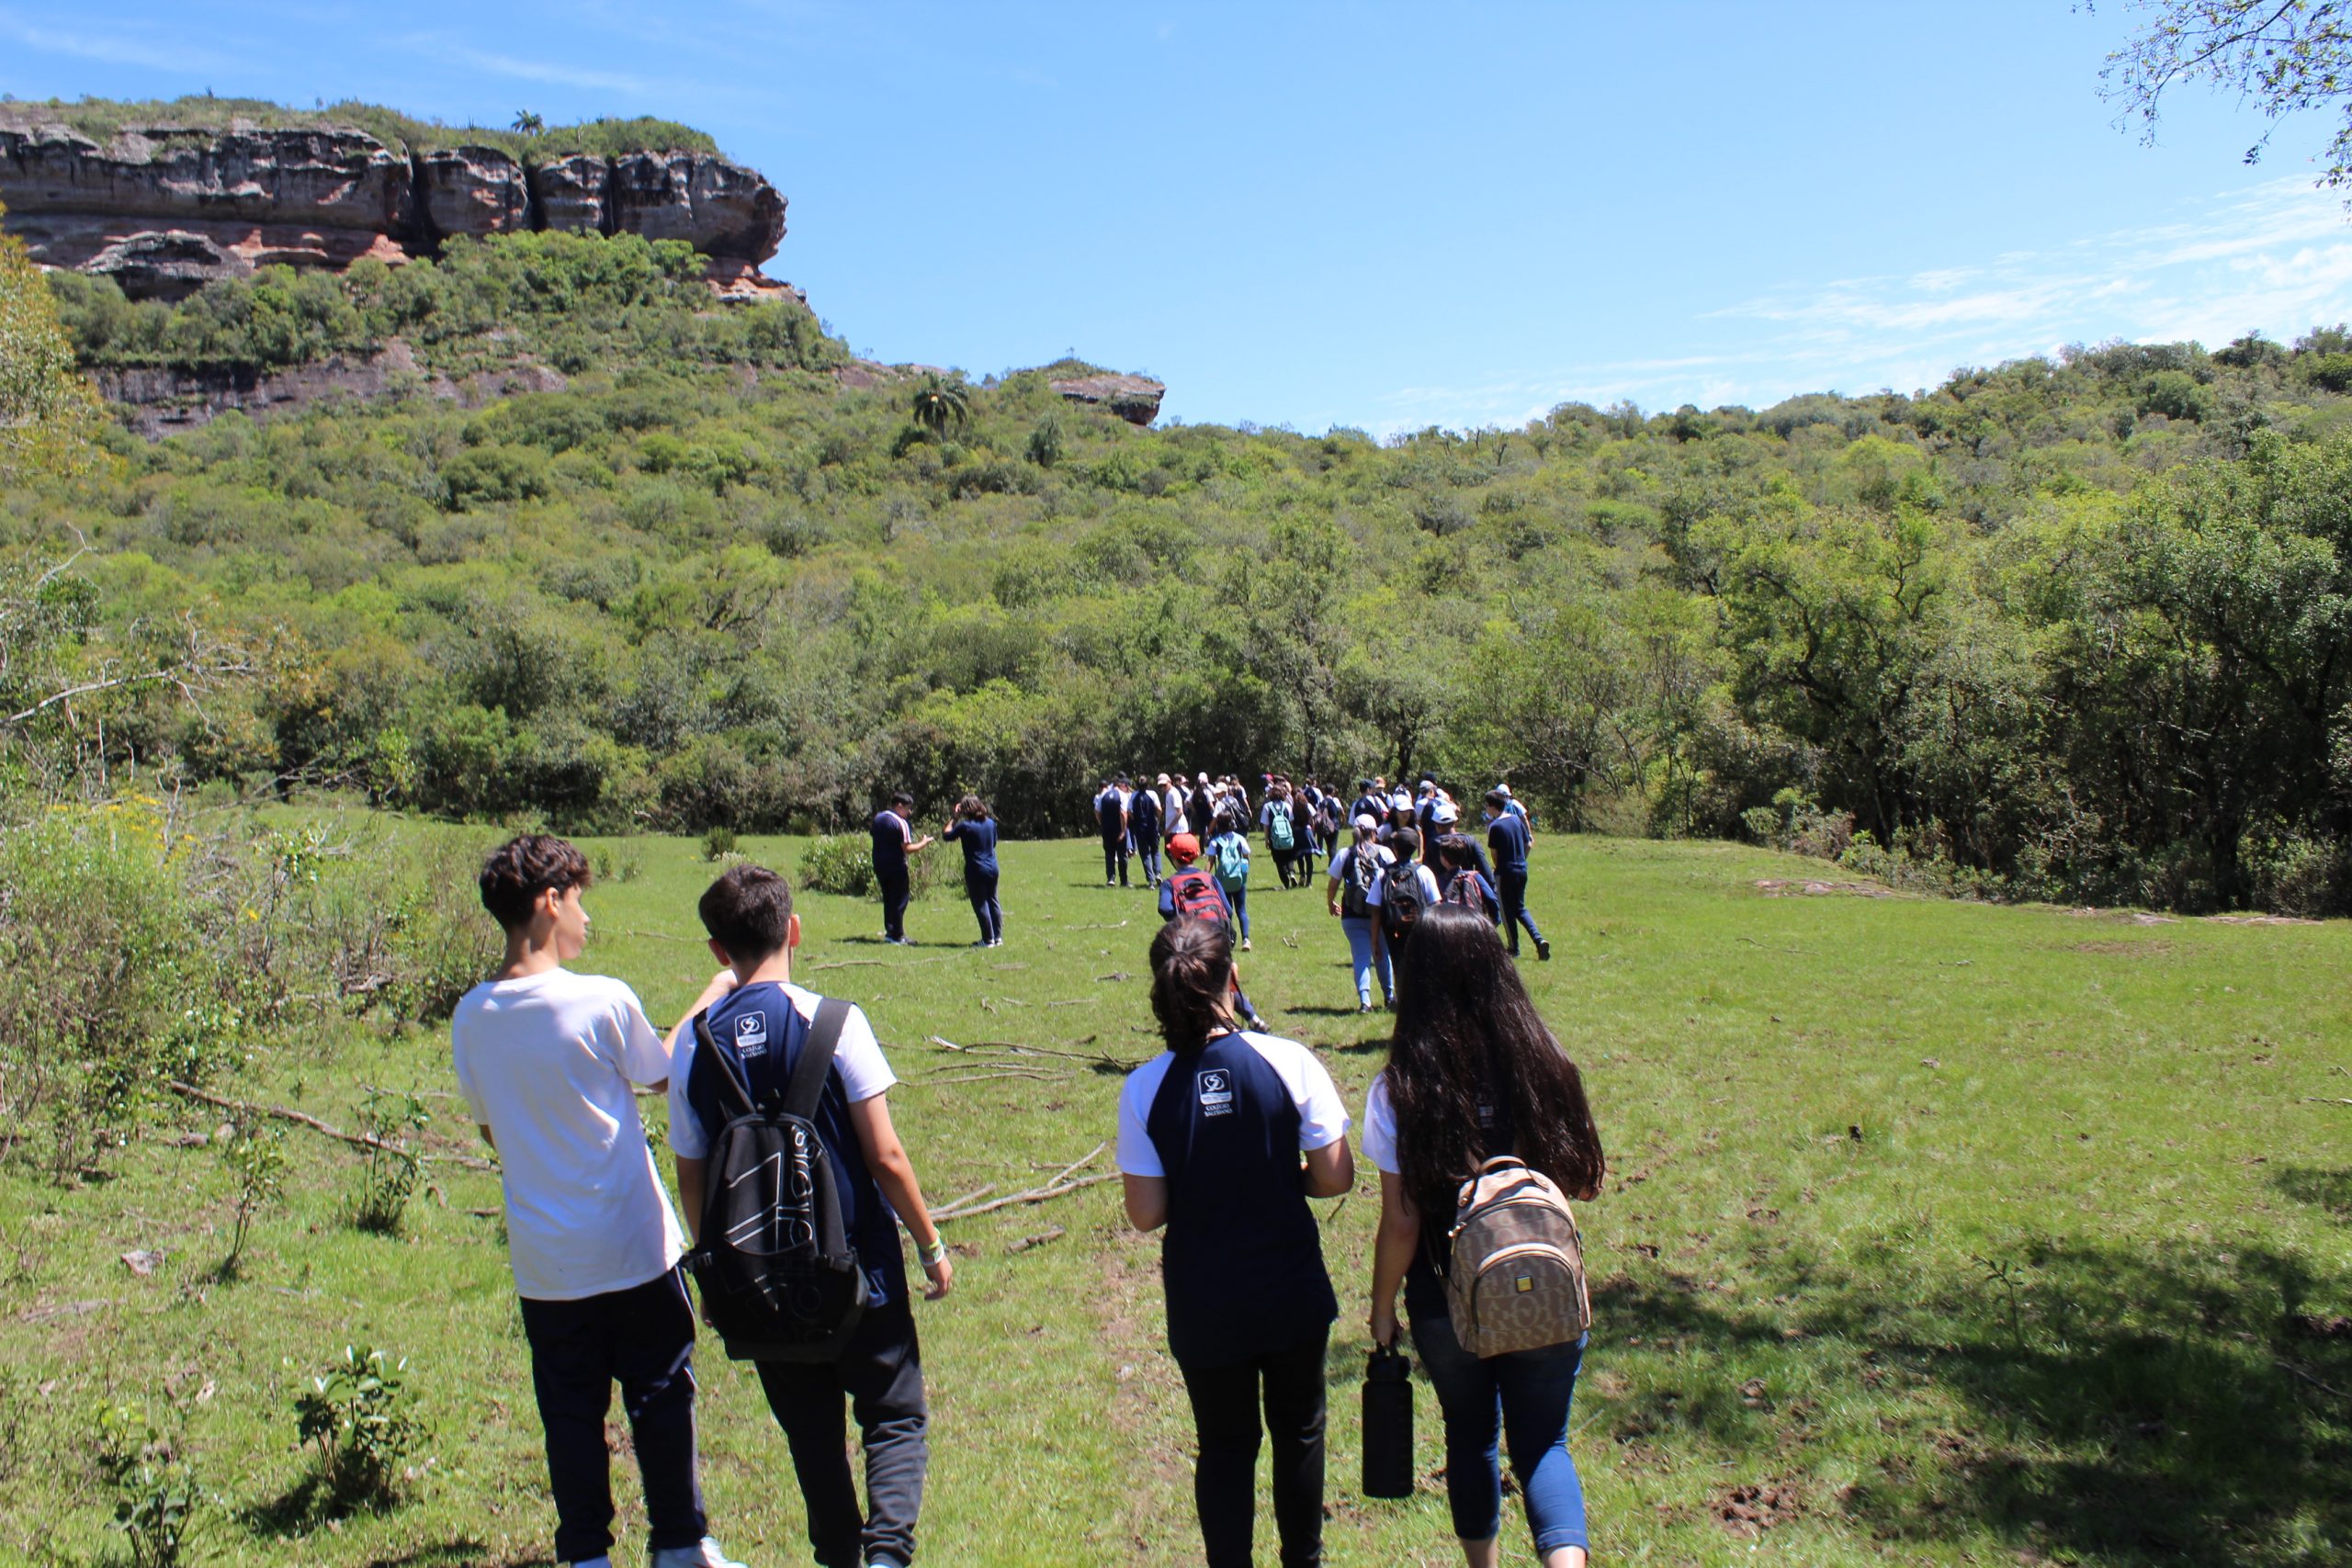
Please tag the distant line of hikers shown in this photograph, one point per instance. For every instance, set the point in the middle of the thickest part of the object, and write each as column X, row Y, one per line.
column 794, row 1187
column 1407, row 840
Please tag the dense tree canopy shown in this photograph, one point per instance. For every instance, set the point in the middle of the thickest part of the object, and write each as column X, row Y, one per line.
column 2070, row 627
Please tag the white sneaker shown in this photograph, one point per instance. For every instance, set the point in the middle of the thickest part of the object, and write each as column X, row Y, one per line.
column 704, row 1555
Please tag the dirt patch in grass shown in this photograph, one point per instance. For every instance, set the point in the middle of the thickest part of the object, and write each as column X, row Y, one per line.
column 2156, row 948
column 1750, row 1509
column 1783, row 887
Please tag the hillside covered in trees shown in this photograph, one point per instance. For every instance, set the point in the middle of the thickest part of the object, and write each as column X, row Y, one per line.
column 2073, row 627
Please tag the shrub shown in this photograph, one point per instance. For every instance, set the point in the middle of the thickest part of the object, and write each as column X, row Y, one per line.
column 157, row 1500
column 388, row 1120
column 356, row 1419
column 100, row 951
column 257, row 1160
column 843, row 864
column 718, row 843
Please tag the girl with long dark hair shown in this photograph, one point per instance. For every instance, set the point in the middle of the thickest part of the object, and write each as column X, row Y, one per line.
column 1473, row 1073
column 974, row 829
column 1211, row 1135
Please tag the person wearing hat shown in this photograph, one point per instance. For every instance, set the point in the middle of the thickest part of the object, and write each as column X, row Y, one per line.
column 1191, row 891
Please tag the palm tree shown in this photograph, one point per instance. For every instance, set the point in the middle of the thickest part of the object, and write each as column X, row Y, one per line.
column 528, row 123
column 940, row 403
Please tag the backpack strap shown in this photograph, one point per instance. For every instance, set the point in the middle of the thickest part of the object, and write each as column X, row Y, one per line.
column 807, row 1085
column 721, row 1062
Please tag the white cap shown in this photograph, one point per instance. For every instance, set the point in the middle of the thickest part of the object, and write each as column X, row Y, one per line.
column 1366, row 824
column 1443, row 812
column 1400, row 801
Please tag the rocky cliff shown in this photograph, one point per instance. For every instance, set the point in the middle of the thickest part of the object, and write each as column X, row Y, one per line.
column 164, row 209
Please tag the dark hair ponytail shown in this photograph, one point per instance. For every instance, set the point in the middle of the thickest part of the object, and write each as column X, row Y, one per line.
column 972, row 808
column 1191, row 981
column 1467, row 1038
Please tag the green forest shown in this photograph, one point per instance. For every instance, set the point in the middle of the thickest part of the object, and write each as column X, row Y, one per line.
column 2073, row 628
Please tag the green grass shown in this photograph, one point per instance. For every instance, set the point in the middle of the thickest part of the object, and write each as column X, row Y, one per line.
column 1936, row 1232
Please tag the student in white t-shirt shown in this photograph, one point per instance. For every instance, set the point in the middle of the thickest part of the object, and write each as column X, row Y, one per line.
column 549, row 1062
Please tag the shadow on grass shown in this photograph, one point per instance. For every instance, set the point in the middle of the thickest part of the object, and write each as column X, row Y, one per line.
column 2097, row 1404
column 2326, row 1189
column 311, row 1503
column 452, row 1554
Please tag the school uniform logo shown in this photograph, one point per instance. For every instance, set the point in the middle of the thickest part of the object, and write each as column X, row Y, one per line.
column 752, row 1034
column 1216, row 1092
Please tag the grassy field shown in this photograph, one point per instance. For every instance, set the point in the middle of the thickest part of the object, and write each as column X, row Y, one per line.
column 1935, row 1233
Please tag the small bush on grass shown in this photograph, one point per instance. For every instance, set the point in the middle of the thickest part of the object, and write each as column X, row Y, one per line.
column 843, row 864
column 392, row 1168
column 158, row 1501
column 354, row 1417
column 257, row 1160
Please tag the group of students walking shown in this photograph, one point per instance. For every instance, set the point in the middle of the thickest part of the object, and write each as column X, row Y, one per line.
column 795, row 1185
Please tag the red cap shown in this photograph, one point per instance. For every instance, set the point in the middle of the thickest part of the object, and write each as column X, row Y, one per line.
column 1184, row 849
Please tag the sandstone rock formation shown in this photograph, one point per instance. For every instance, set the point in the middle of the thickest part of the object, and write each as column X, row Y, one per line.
column 1134, row 398
column 164, row 209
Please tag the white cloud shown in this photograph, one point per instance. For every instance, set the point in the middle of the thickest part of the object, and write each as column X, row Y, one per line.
column 114, row 50
column 554, row 72
column 2277, row 258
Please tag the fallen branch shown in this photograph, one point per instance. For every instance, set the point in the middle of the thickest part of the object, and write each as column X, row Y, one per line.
column 1038, row 1074
column 847, row 963
column 360, row 1140
column 974, row 1196
column 1035, row 1195
column 1040, row 1239
column 2316, row 1099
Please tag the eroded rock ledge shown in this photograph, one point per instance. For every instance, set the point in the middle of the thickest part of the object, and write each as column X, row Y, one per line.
column 164, row 209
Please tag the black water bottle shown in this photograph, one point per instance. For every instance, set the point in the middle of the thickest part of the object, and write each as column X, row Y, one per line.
column 1387, row 1424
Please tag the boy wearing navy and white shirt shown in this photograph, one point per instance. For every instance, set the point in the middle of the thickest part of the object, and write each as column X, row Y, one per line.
column 1509, row 837
column 894, row 843
column 549, row 1062
column 763, row 1021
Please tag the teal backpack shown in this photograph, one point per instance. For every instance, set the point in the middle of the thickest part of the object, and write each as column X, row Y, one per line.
column 1232, row 859
column 1279, row 836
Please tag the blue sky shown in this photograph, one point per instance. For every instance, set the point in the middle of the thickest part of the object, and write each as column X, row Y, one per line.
column 1385, row 215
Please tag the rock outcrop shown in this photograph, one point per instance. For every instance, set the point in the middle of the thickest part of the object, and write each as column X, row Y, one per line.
column 164, row 209
column 1134, row 398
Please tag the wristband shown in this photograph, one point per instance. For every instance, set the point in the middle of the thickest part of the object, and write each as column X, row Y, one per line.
column 935, row 1255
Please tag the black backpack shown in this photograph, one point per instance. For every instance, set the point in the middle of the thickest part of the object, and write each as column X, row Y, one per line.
column 1364, row 870
column 780, row 1277
column 1400, row 900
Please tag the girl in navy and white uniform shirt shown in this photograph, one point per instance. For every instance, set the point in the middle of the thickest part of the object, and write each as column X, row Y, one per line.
column 1211, row 1135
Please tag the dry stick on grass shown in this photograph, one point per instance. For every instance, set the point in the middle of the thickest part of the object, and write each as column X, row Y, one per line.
column 1060, row 1185
column 1035, row 1074
column 313, row 1122
column 1035, row 1195
column 1040, row 1239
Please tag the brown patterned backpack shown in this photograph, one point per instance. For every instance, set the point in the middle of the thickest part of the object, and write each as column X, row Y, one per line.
column 1516, row 1275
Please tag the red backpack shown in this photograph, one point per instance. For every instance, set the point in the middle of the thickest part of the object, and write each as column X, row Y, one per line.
column 1193, row 892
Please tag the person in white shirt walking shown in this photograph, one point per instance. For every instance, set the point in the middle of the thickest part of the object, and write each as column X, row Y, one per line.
column 548, row 1061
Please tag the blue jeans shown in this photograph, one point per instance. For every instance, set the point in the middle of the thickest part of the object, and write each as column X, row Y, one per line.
column 1369, row 959
column 1239, row 898
column 1525, row 1395
column 979, row 886
column 1512, row 886
column 1148, row 851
